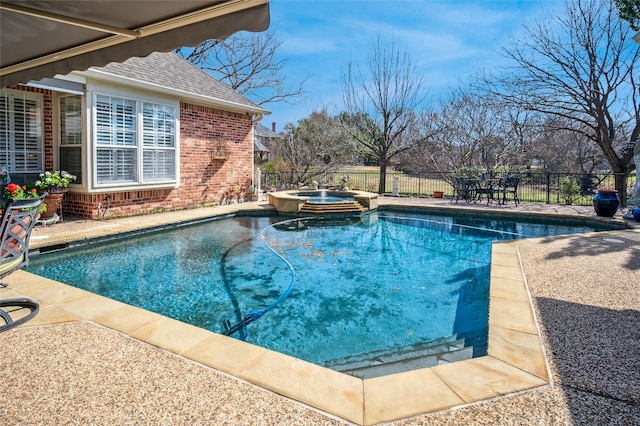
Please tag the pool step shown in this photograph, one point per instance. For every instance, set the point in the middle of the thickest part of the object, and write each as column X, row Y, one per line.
column 333, row 208
column 413, row 357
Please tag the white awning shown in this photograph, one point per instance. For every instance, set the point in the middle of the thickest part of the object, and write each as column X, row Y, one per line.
column 40, row 39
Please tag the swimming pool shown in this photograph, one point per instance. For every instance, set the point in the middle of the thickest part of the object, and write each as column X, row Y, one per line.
column 219, row 271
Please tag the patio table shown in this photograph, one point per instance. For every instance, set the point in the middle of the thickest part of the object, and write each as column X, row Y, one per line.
column 487, row 188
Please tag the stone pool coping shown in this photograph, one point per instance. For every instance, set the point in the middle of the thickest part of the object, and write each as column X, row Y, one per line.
column 515, row 360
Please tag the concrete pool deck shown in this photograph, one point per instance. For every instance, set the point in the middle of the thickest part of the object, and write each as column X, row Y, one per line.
column 88, row 359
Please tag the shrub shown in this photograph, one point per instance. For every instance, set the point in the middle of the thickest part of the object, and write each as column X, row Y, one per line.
column 568, row 189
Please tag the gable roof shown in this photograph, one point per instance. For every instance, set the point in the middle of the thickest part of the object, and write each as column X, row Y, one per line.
column 169, row 73
column 265, row 132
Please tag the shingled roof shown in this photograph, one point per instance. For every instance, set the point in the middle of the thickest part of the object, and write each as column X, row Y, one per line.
column 264, row 132
column 175, row 74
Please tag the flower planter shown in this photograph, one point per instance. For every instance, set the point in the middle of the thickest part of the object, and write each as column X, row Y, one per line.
column 606, row 202
column 438, row 194
column 53, row 201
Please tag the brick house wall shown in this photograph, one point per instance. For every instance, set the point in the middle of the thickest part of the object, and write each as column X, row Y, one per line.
column 204, row 178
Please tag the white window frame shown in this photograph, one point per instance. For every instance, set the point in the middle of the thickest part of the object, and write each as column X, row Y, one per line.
column 139, row 100
column 63, row 143
column 34, row 126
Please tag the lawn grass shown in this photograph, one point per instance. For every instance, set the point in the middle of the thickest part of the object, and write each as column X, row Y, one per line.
column 533, row 187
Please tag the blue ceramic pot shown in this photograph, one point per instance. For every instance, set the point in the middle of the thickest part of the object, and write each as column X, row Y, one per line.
column 636, row 214
column 606, row 202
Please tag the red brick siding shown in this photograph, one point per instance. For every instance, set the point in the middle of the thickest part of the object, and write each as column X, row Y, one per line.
column 203, row 179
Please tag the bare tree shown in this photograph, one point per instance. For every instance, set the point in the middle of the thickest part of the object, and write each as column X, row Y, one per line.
column 473, row 129
column 381, row 104
column 582, row 69
column 566, row 150
column 249, row 64
column 313, row 147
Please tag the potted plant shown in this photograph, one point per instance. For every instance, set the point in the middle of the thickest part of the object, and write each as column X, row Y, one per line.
column 568, row 189
column 55, row 184
column 250, row 191
column 18, row 192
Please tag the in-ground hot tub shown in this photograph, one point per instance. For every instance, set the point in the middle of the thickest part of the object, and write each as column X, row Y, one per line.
column 293, row 201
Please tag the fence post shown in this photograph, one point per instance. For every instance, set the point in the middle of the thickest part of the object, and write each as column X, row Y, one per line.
column 395, row 191
column 548, row 187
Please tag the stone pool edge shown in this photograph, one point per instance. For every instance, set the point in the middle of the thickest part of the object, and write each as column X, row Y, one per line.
column 515, row 360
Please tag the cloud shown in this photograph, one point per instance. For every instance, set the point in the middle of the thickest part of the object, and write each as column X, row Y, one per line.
column 447, row 40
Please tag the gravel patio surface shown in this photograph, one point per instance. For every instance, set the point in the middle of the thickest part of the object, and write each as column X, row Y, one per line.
column 586, row 295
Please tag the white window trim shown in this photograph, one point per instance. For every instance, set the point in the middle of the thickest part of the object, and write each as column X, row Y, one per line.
column 139, row 97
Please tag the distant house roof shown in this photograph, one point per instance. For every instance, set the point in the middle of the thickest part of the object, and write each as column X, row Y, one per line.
column 169, row 73
column 264, row 132
column 259, row 146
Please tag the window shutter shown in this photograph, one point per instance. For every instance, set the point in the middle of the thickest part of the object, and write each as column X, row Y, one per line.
column 21, row 142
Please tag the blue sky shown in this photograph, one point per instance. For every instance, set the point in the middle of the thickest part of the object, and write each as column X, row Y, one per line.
column 448, row 41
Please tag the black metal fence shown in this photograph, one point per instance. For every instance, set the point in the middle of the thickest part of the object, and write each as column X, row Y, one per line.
column 534, row 186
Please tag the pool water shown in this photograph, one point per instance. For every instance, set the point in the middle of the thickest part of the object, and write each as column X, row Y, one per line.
column 337, row 292
column 324, row 197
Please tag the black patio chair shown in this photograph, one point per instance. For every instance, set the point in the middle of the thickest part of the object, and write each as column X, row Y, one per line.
column 16, row 306
column 464, row 188
column 18, row 220
column 509, row 186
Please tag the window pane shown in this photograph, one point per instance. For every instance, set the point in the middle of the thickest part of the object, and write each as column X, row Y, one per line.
column 71, row 161
column 158, row 132
column 116, row 165
column 115, row 121
column 159, row 165
column 158, row 126
column 71, row 120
